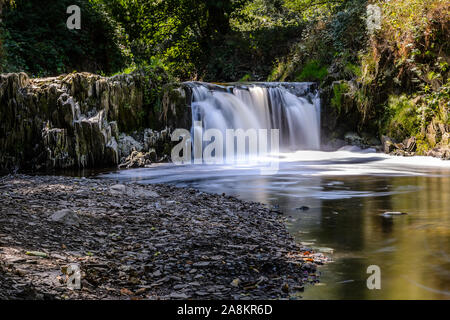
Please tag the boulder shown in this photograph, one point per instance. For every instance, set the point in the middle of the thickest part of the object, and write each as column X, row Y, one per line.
column 127, row 145
column 118, row 189
column 388, row 144
column 410, row 144
column 354, row 139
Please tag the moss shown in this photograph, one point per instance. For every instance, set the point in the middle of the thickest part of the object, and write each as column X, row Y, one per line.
column 403, row 118
column 353, row 69
column 422, row 146
column 339, row 90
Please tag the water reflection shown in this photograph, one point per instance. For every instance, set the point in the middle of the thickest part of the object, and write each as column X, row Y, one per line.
column 412, row 250
column 346, row 199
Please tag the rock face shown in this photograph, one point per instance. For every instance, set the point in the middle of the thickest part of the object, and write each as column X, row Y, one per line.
column 76, row 120
column 176, row 103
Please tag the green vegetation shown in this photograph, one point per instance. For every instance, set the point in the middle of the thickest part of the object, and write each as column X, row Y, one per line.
column 393, row 81
column 404, row 118
column 312, row 71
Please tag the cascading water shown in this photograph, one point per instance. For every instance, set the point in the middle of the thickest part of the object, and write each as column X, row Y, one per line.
column 293, row 108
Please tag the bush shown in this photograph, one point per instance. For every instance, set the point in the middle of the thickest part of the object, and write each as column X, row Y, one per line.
column 403, row 118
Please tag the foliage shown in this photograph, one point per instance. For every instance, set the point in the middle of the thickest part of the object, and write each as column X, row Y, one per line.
column 404, row 118
column 36, row 40
column 395, row 79
column 407, row 116
column 180, row 32
column 414, row 42
column 264, row 14
column 408, row 56
column 336, row 33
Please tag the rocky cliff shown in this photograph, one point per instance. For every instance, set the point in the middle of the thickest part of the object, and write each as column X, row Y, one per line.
column 79, row 120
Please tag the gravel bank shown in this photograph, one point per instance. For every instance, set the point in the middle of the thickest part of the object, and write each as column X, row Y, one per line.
column 142, row 242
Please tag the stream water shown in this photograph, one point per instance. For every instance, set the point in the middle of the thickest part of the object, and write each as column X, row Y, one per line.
column 346, row 193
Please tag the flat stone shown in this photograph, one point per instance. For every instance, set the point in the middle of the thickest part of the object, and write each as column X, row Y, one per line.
column 118, row 189
column 65, row 216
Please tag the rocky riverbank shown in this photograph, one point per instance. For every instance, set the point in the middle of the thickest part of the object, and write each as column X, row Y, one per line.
column 143, row 242
column 82, row 120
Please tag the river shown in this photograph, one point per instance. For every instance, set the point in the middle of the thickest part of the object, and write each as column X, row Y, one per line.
column 347, row 194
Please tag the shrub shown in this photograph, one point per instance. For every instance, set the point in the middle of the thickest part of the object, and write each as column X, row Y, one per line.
column 312, row 71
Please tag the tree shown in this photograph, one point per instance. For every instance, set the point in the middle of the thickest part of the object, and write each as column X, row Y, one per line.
column 181, row 32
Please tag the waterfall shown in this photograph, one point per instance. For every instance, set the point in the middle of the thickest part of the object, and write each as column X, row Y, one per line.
column 293, row 108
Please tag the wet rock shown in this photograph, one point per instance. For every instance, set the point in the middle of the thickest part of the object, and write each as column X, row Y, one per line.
column 410, row 144
column 443, row 153
column 354, row 139
column 69, row 121
column 388, row 144
column 333, row 145
column 127, row 145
